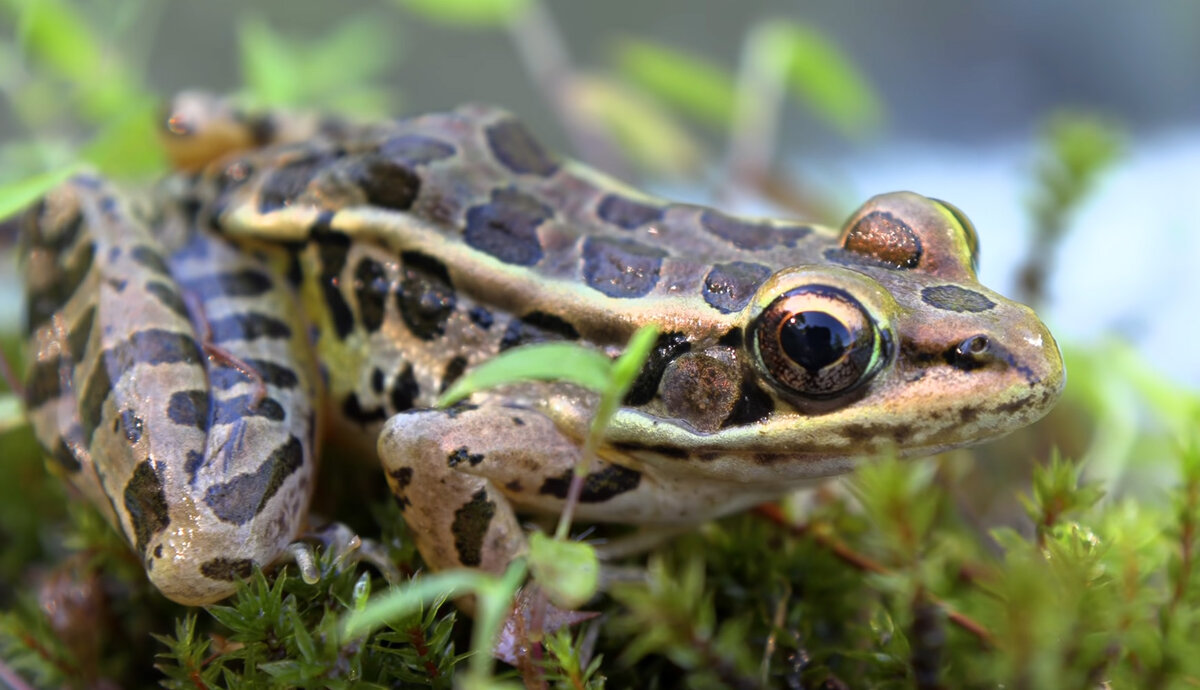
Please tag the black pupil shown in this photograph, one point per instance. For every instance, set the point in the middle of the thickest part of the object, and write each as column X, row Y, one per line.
column 814, row 339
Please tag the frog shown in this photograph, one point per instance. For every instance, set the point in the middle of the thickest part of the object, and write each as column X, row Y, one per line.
column 310, row 282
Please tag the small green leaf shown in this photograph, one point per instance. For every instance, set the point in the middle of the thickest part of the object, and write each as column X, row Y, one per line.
column 270, row 68
column 128, row 145
column 627, row 367
column 648, row 134
column 408, row 599
column 15, row 196
column 477, row 13
column 543, row 361
column 568, row 571
column 818, row 74
column 695, row 86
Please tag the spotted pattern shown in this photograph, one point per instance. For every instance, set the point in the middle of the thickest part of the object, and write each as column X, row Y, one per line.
column 955, row 298
column 371, row 289
column 518, row 151
column 287, row 182
column 506, row 228
column 599, row 486
column 146, row 504
column 730, row 287
column 621, row 268
column 405, row 390
column 227, row 569
column 536, row 327
column 240, row 499
column 470, row 526
column 333, row 248
column 666, row 349
column 385, row 182
column 425, row 297
column 462, row 455
column 753, row 405
column 627, row 213
column 752, row 236
column 415, row 149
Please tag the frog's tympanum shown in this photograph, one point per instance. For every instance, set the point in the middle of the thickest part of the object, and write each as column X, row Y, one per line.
column 307, row 279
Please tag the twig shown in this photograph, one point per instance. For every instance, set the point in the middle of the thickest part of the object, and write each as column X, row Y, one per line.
column 848, row 555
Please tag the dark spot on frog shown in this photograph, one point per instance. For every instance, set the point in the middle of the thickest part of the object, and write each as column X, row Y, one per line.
column 415, row 149
column 332, row 249
column 287, row 182
column 666, row 451
column 749, row 235
column 146, row 504
column 404, row 390
column 956, row 299
column 506, row 227
column 42, row 304
column 244, row 283
column 901, row 433
column 118, row 284
column 169, row 298
column 514, row 486
column 158, row 551
column 968, row 414
column 401, row 478
column 371, row 288
column 753, row 405
column 147, row 258
column 1013, row 405
column 44, row 381
column 470, row 526
column 459, row 408
column 246, row 495
column 77, row 336
column 731, row 338
column 517, row 421
column 666, row 348
column 227, row 569
column 189, row 408
column 598, row 486
column 627, row 213
column 272, row 374
column 886, row 239
column 424, row 296
column 192, row 464
column 130, row 424
column 516, row 149
column 385, row 183
column 621, row 268
column 463, row 454
column 248, row 326
column 729, row 287
column 353, row 409
column 481, row 317
column 377, row 380
column 536, row 327
column 454, row 369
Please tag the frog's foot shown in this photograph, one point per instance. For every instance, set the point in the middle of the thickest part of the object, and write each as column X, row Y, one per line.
column 453, row 495
column 346, row 549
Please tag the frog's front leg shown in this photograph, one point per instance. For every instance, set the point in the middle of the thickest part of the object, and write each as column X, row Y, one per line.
column 459, row 473
column 438, row 469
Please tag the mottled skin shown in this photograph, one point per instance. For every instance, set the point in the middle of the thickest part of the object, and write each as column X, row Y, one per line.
column 424, row 246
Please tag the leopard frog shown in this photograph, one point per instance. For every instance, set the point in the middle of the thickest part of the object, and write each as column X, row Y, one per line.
column 306, row 280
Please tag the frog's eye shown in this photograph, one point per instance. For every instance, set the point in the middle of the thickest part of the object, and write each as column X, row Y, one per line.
column 818, row 342
column 968, row 229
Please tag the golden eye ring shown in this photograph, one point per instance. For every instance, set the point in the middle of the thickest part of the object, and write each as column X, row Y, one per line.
column 818, row 342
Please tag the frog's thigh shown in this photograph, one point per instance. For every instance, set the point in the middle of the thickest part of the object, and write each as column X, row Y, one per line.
column 454, row 493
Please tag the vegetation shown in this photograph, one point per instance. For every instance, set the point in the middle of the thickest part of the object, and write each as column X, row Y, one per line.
column 889, row 584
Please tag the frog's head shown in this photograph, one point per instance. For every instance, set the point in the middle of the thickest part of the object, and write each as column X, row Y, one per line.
column 890, row 343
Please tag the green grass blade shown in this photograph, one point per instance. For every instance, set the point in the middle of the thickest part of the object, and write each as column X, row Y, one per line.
column 544, row 361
